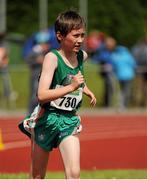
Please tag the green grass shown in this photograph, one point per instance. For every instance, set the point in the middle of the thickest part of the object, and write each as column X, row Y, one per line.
column 20, row 83
column 19, row 76
column 94, row 174
column 94, row 82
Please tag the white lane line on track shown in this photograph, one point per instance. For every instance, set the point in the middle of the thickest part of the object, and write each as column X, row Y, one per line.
column 17, row 144
column 84, row 137
column 110, row 135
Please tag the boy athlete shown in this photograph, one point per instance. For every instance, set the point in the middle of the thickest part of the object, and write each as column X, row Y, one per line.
column 60, row 90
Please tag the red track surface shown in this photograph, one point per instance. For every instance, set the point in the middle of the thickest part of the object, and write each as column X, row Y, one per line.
column 107, row 142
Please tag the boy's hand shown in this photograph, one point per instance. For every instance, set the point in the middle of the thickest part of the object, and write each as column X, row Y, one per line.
column 77, row 80
column 90, row 95
column 93, row 99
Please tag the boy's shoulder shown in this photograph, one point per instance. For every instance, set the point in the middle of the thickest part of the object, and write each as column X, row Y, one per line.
column 84, row 54
column 52, row 54
column 51, row 58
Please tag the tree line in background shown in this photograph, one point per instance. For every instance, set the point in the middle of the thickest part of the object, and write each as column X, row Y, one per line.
column 124, row 20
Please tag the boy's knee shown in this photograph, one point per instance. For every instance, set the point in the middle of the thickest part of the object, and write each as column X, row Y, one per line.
column 37, row 177
column 73, row 173
column 36, row 174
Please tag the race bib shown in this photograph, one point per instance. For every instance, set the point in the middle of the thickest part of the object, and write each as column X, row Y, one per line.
column 68, row 102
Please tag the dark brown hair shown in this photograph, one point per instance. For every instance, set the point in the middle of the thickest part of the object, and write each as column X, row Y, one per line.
column 67, row 21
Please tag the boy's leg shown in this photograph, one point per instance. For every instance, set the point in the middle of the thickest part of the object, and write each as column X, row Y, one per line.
column 70, row 152
column 39, row 161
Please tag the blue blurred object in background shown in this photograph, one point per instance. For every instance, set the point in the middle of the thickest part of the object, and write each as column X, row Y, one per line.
column 47, row 35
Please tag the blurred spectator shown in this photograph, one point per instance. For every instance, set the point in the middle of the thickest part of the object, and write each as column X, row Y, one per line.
column 35, row 59
column 116, row 64
column 140, row 53
column 94, row 41
column 31, row 41
column 124, row 67
column 103, row 58
column 4, row 72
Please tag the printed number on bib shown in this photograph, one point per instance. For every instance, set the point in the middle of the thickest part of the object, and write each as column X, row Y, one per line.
column 68, row 102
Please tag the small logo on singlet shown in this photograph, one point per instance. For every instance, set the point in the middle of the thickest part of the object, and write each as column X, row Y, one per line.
column 62, row 134
column 41, row 137
column 67, row 80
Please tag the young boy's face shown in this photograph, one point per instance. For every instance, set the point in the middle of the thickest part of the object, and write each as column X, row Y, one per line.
column 73, row 40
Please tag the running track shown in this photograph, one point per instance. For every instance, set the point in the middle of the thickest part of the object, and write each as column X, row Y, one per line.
column 107, row 142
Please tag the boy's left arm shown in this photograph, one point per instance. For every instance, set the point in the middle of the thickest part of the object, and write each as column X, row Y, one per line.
column 86, row 90
column 90, row 94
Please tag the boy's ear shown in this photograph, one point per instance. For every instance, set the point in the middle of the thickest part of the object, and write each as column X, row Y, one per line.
column 59, row 36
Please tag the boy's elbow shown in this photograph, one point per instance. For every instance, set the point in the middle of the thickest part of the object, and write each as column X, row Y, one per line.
column 40, row 98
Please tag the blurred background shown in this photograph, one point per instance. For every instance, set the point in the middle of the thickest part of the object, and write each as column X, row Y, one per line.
column 116, row 71
column 20, row 21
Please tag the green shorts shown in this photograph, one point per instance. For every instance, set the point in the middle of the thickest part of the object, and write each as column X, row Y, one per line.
column 53, row 127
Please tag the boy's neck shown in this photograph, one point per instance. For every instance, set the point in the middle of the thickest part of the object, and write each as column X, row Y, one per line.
column 69, row 58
